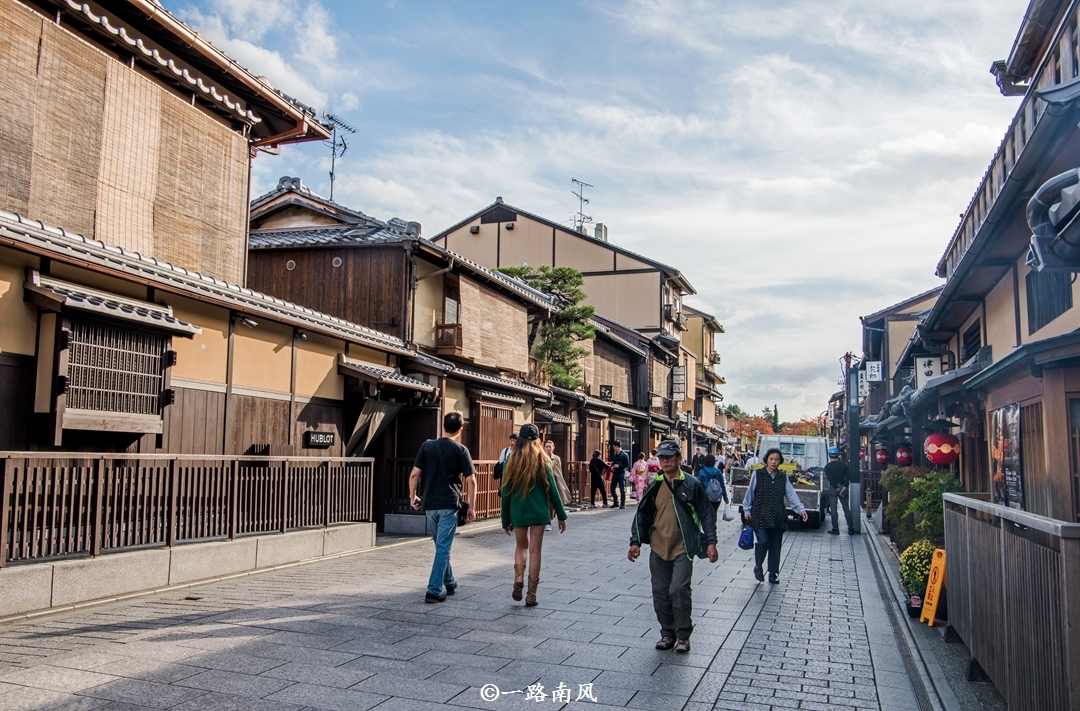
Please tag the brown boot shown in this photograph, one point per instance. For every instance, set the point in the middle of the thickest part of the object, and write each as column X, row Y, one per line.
column 519, row 581
column 530, row 598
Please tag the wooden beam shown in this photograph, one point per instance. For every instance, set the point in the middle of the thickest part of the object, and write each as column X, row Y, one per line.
column 1055, row 408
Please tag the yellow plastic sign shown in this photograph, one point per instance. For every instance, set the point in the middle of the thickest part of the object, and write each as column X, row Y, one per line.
column 934, row 584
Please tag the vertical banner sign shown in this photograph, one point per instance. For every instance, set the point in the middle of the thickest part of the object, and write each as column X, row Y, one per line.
column 934, row 584
column 864, row 384
column 926, row 368
column 678, row 383
column 1008, row 480
column 873, row 371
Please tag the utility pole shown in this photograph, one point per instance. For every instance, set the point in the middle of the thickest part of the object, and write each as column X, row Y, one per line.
column 853, row 447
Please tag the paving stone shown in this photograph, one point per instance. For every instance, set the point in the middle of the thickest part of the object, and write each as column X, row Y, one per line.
column 354, row 633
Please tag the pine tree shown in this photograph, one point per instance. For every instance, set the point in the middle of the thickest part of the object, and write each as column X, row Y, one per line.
column 569, row 323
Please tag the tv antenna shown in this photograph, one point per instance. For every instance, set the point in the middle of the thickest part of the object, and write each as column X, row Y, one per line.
column 581, row 217
column 337, row 144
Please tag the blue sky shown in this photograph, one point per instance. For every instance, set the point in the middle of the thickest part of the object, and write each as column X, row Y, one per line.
column 803, row 163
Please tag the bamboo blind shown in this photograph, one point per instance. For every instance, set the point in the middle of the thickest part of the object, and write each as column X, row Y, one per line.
column 67, row 132
column 131, row 142
column 92, row 146
column 18, row 86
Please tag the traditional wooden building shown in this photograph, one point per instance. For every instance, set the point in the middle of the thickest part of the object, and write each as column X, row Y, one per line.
column 628, row 288
column 123, row 190
column 705, row 397
column 132, row 355
column 471, row 327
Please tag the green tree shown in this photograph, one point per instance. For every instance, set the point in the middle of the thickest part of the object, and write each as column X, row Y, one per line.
column 555, row 348
column 737, row 412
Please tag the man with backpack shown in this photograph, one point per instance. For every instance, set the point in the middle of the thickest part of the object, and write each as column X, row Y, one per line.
column 836, row 474
column 676, row 519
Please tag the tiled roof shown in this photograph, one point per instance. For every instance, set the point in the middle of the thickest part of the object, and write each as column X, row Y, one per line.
column 387, row 376
column 19, row 231
column 550, row 416
column 136, row 44
column 596, row 402
column 78, row 297
column 479, row 376
column 490, row 395
column 323, row 236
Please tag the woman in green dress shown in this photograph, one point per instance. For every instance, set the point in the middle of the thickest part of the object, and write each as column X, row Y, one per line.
column 530, row 497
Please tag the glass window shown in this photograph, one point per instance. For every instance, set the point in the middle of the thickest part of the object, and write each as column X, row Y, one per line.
column 785, row 448
column 798, row 449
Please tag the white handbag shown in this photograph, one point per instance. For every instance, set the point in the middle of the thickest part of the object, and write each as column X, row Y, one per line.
column 729, row 513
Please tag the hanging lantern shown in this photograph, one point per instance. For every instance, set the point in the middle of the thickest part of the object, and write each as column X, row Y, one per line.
column 942, row 448
column 882, row 456
column 862, row 453
column 903, row 455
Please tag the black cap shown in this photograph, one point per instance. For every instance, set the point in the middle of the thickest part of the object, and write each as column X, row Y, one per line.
column 529, row 432
column 668, row 448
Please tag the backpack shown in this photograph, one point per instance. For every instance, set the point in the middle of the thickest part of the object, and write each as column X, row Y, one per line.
column 715, row 490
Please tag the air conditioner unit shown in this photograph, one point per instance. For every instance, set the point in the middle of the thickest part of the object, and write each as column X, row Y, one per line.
column 714, row 358
column 671, row 313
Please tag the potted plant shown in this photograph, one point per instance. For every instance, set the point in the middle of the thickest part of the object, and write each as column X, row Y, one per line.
column 914, row 571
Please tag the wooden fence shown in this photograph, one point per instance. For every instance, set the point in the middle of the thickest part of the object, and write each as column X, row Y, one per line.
column 1013, row 580
column 488, row 503
column 54, row 505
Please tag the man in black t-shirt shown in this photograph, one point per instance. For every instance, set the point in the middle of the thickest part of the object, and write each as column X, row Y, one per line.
column 444, row 473
column 836, row 474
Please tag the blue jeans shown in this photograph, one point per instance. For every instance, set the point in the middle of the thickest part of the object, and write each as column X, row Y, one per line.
column 443, row 525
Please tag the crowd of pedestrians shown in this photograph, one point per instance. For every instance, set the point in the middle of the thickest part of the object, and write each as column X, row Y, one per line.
column 678, row 506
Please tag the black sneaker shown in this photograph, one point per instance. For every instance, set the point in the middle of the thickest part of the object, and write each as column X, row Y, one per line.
column 759, row 574
column 774, row 579
column 451, row 589
column 834, row 532
column 851, row 531
column 429, row 597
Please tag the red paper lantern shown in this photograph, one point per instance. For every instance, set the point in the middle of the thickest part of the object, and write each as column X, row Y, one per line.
column 862, row 453
column 882, row 456
column 942, row 448
column 903, row 456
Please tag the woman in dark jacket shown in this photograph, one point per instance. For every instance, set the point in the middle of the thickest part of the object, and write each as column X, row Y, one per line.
column 530, row 495
column 596, row 479
column 765, row 506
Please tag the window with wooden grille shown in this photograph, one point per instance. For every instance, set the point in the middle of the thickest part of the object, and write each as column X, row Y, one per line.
column 114, row 370
column 1049, row 294
column 972, row 342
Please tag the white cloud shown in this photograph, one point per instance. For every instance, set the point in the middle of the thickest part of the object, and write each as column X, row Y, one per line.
column 802, row 162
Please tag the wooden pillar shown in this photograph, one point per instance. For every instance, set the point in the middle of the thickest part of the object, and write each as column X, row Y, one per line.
column 1055, row 410
column 6, row 474
column 1070, row 608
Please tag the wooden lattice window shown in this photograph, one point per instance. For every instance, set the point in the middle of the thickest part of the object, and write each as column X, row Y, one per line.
column 114, row 370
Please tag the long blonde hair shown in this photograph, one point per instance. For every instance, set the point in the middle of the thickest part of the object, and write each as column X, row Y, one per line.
column 525, row 465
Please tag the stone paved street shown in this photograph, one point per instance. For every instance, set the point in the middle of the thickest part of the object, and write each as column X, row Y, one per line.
column 353, row 634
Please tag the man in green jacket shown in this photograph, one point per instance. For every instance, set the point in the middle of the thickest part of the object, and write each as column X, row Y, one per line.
column 676, row 519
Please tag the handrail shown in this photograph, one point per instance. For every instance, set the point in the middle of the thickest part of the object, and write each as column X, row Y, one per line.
column 1062, row 529
column 124, row 455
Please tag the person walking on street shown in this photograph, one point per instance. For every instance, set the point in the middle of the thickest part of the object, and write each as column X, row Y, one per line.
column 653, row 465
column 764, row 509
column 698, row 460
column 639, row 476
column 596, row 479
column 751, row 460
column 503, row 456
column 620, row 463
column 836, row 472
column 530, row 496
column 556, row 468
column 675, row 518
column 709, row 473
column 440, row 467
